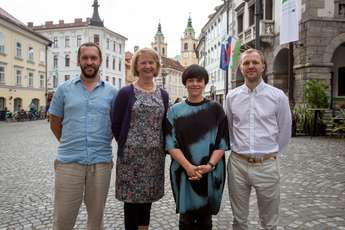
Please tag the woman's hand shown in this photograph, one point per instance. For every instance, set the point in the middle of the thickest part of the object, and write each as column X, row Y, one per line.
column 193, row 172
column 202, row 169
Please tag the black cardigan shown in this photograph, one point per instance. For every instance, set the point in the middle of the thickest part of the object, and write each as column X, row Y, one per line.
column 121, row 114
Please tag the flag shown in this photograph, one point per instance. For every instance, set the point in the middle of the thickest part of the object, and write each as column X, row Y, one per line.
column 288, row 22
column 224, row 64
column 236, row 46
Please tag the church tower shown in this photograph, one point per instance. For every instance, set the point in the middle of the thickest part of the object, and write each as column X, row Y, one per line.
column 188, row 45
column 159, row 45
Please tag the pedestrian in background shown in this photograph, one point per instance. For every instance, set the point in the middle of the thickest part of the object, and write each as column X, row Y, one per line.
column 196, row 140
column 80, row 120
column 259, row 120
column 138, row 115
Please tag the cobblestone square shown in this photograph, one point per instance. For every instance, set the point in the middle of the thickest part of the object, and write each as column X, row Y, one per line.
column 312, row 185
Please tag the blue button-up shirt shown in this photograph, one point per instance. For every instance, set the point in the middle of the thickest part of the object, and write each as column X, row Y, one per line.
column 86, row 130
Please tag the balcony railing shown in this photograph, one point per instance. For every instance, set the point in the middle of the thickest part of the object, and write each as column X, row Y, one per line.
column 266, row 33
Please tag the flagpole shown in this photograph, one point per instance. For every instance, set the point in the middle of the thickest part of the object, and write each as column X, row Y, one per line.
column 227, row 33
column 257, row 24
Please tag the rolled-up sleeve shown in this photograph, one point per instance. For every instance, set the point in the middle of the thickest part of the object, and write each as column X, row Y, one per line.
column 56, row 107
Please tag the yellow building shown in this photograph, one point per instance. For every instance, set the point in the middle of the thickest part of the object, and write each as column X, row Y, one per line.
column 22, row 65
column 188, row 45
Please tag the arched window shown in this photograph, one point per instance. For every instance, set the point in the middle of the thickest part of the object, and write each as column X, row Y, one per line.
column 185, row 47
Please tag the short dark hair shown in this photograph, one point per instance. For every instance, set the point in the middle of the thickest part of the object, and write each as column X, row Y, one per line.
column 89, row 44
column 194, row 71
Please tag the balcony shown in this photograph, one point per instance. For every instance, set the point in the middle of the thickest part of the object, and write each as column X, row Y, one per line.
column 266, row 33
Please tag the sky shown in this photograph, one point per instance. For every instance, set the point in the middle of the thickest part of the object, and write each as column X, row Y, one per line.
column 135, row 19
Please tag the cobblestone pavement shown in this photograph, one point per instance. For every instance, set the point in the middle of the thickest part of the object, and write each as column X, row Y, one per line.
column 312, row 185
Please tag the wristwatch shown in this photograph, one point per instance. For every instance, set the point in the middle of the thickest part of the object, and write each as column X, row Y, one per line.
column 211, row 164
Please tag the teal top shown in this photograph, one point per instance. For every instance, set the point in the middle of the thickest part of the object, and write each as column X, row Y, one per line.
column 197, row 129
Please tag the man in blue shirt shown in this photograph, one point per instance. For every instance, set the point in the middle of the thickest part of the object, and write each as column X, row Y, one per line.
column 80, row 121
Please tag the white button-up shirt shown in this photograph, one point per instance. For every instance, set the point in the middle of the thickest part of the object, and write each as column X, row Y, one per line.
column 259, row 119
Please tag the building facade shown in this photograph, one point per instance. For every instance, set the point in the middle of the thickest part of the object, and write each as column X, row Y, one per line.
column 212, row 35
column 188, row 45
column 67, row 37
column 159, row 44
column 319, row 53
column 170, row 75
column 23, row 71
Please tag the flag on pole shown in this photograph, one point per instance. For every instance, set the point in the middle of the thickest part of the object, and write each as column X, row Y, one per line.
column 289, row 21
column 229, row 53
column 223, row 59
column 235, row 51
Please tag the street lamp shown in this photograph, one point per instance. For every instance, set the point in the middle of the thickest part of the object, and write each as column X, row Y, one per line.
column 164, row 74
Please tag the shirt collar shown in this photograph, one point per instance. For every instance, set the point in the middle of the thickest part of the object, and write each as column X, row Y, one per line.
column 257, row 89
column 78, row 79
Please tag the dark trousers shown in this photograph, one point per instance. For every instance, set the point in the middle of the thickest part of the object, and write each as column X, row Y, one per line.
column 195, row 221
column 136, row 215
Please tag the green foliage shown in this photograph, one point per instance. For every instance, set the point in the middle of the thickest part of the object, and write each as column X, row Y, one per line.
column 315, row 94
column 339, row 124
column 303, row 119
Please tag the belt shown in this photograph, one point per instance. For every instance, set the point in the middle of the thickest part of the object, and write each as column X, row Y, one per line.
column 256, row 159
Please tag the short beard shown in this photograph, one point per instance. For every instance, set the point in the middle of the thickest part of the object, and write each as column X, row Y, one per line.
column 88, row 76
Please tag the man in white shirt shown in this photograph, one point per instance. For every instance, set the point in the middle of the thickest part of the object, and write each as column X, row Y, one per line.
column 259, row 119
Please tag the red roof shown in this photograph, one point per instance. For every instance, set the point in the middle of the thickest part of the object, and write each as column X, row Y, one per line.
column 172, row 64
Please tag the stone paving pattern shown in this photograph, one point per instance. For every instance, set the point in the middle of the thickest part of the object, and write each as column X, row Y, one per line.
column 312, row 185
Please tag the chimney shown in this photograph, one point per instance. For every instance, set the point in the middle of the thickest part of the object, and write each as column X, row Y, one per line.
column 61, row 22
column 78, row 20
column 30, row 24
column 49, row 23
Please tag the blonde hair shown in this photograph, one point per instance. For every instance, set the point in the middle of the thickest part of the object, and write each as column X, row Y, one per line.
column 140, row 52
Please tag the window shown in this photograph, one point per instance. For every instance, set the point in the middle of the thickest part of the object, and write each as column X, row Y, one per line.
column 18, row 49
column 107, row 78
column 107, row 62
column 2, row 42
column 108, row 43
column 67, row 77
column 67, row 60
column 55, row 81
column 113, row 63
column 120, row 48
column 120, row 65
column 41, row 81
column 18, row 77
column 78, row 40
column 114, row 81
column 42, row 56
column 2, row 74
column 268, row 9
column 31, row 80
column 185, row 47
column 55, row 62
column 31, row 54
column 251, row 11
column 67, row 42
column 55, row 42
column 119, row 83
column 114, row 46
column 240, row 23
column 163, row 51
column 96, row 39
column 341, row 9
